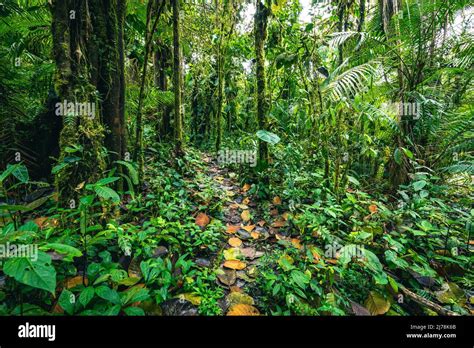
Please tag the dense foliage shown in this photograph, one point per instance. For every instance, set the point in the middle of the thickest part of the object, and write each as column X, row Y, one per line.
column 274, row 157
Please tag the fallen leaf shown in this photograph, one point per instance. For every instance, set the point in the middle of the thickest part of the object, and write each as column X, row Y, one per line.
column 234, row 206
column 261, row 223
column 202, row 220
column 40, row 221
column 235, row 288
column 377, row 304
column 249, row 228
column 134, row 269
column 232, row 254
column 245, row 215
column 232, row 228
column 276, row 200
column 243, row 309
column 359, row 310
column 255, row 235
column 248, row 252
column 246, row 200
column 190, row 297
column 243, row 206
column 246, row 187
column 227, row 277
column 296, row 243
column 279, row 223
column 80, row 186
column 235, row 264
column 75, row 281
column 285, row 215
column 235, row 242
column 331, row 261
column 274, row 212
column 239, row 298
column 373, row 208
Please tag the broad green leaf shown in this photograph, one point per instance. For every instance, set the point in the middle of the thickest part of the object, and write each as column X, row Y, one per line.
column 418, row 185
column 108, row 294
column 268, row 137
column 86, row 295
column 38, row 273
column 69, row 251
column 67, row 301
column 107, row 193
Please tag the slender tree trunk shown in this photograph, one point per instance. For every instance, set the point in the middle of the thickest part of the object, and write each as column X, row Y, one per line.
column 177, row 80
column 261, row 21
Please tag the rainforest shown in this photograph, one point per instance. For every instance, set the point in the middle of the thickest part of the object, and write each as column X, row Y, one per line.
column 236, row 158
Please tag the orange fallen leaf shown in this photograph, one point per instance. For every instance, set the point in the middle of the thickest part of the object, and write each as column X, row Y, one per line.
column 246, row 187
column 249, row 228
column 279, row 223
column 41, row 221
column 296, row 243
column 285, row 215
column 235, row 242
column 373, row 208
column 232, row 228
column 243, row 309
column 255, row 235
column 276, row 200
column 471, row 242
column 235, row 264
column 246, row 200
column 245, row 215
column 235, row 288
column 75, row 281
column 202, row 220
column 331, row 261
column 234, row 206
column 261, row 223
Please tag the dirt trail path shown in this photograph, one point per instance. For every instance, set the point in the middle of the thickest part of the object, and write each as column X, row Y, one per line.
column 247, row 236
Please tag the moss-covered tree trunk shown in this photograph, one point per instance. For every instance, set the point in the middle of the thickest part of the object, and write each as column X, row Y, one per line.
column 81, row 157
column 177, row 80
column 161, row 64
column 261, row 20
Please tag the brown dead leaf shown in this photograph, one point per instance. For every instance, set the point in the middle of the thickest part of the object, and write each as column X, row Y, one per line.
column 249, row 228
column 235, row 264
column 40, row 221
column 261, row 223
column 202, row 220
column 235, row 242
column 245, row 215
column 248, row 252
column 246, row 200
column 235, row 288
column 243, row 309
column 232, row 228
column 234, row 206
column 75, row 281
column 279, row 223
column 331, row 261
column 246, row 187
column 274, row 212
column 276, row 200
column 255, row 235
column 285, row 215
column 228, row 277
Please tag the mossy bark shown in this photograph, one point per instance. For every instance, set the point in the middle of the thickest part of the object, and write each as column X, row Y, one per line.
column 261, row 21
column 88, row 51
column 177, row 80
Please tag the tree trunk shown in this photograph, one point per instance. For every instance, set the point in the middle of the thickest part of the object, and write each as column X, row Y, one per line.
column 261, row 21
column 177, row 80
